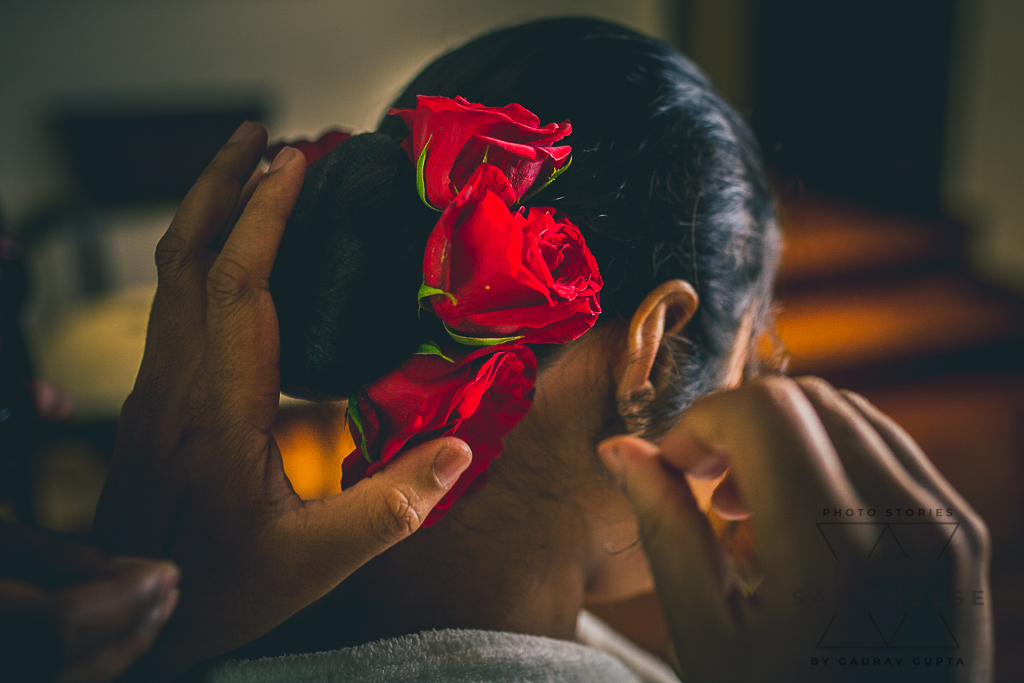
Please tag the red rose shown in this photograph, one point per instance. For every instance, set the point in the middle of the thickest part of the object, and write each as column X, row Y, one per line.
column 478, row 398
column 458, row 136
column 488, row 272
column 311, row 150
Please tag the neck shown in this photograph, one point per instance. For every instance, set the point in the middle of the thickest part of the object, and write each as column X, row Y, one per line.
column 517, row 555
column 487, row 565
column 472, row 573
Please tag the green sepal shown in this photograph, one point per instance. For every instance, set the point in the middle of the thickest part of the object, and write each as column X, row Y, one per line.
column 479, row 341
column 421, row 186
column 353, row 415
column 429, row 348
column 557, row 172
column 428, row 291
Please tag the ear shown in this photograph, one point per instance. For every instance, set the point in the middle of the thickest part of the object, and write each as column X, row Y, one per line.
column 662, row 314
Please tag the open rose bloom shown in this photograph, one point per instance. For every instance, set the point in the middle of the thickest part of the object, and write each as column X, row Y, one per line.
column 478, row 396
column 453, row 137
column 527, row 274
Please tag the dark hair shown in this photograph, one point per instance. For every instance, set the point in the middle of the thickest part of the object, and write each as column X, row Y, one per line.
column 666, row 182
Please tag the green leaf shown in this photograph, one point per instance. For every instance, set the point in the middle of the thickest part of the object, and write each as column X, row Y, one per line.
column 421, row 186
column 557, row 172
column 353, row 415
column 429, row 348
column 479, row 341
column 427, row 291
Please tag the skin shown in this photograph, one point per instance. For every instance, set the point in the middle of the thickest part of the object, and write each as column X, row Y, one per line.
column 550, row 530
column 794, row 449
column 208, row 386
column 196, row 475
column 553, row 530
column 72, row 614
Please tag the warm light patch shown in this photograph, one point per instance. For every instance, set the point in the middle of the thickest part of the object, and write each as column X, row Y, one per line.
column 313, row 445
column 737, row 538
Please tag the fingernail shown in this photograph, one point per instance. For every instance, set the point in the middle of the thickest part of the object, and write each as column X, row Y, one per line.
column 244, row 131
column 158, row 576
column 170, row 575
column 449, row 464
column 162, row 612
column 284, row 157
column 612, row 459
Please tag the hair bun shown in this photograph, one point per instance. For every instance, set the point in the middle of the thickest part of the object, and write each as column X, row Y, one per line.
column 350, row 263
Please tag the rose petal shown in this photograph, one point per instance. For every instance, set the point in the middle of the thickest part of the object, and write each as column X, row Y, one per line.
column 524, row 274
column 479, row 398
column 457, row 133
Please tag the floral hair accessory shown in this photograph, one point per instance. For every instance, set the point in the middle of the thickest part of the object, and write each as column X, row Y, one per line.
column 451, row 138
column 477, row 395
column 497, row 275
column 493, row 274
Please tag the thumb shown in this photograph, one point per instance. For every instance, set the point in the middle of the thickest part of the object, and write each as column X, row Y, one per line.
column 370, row 517
column 692, row 574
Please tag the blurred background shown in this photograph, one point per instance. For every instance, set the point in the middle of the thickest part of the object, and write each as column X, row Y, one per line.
column 894, row 131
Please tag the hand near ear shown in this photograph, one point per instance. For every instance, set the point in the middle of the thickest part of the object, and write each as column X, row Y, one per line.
column 196, row 474
column 807, row 461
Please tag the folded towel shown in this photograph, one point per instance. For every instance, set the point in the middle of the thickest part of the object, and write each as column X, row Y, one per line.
column 449, row 656
column 650, row 669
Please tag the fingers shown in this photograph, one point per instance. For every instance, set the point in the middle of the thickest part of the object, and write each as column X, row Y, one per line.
column 242, row 333
column 106, row 625
column 210, row 202
column 784, row 465
column 91, row 631
column 868, row 460
column 363, row 521
column 910, row 455
column 671, row 523
column 184, row 253
column 252, row 244
column 727, row 501
column 691, row 572
column 876, row 473
column 243, row 201
column 47, row 559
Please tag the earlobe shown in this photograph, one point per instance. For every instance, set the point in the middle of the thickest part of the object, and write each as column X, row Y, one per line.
column 663, row 313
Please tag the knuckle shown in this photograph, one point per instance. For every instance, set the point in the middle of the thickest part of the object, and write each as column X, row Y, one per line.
column 772, row 390
column 394, row 516
column 977, row 534
column 216, row 188
column 816, row 385
column 228, row 281
column 172, row 255
column 958, row 545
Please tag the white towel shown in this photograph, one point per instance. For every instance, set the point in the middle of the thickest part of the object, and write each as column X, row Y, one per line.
column 457, row 656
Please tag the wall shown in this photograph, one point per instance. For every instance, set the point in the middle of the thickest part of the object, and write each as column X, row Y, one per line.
column 322, row 62
column 984, row 164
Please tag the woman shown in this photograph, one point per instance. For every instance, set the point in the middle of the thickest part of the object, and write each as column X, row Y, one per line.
column 667, row 188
